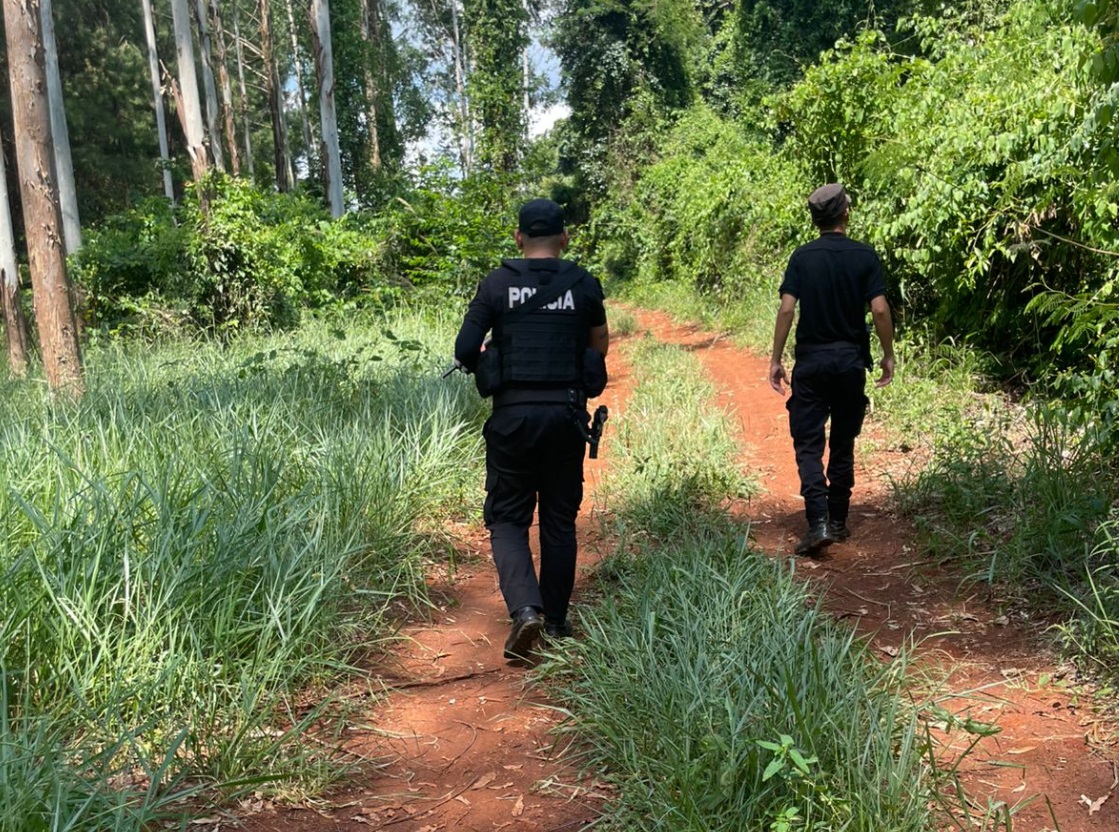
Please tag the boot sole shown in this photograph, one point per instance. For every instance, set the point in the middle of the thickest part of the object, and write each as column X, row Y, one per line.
column 520, row 641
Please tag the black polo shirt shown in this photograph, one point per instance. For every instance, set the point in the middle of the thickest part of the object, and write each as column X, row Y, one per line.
column 833, row 279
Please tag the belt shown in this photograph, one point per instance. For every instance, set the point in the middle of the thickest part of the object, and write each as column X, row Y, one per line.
column 831, row 346
column 525, row 395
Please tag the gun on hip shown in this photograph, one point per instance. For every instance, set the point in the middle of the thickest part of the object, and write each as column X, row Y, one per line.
column 598, row 421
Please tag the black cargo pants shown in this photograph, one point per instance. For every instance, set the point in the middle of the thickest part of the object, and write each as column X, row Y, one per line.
column 827, row 383
column 534, row 452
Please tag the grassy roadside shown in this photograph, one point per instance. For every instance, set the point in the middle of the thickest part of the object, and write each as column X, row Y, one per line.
column 707, row 684
column 209, row 533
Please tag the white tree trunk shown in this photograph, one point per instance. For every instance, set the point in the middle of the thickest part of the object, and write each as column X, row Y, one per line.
column 191, row 107
column 157, row 100
column 246, row 125
column 15, row 326
column 324, row 63
column 275, row 93
column 63, row 163
column 208, row 84
column 297, row 63
column 466, row 128
column 370, row 33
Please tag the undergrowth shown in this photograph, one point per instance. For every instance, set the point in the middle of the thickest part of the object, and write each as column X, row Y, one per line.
column 211, row 532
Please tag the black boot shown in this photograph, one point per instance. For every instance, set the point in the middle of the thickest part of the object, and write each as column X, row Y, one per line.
column 838, row 531
column 815, row 540
column 527, row 624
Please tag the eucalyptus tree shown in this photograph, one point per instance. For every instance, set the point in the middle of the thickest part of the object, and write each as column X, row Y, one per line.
column 157, row 99
column 15, row 325
column 63, row 161
column 247, row 132
column 189, row 105
column 228, row 122
column 437, row 27
column 324, row 66
column 297, row 67
column 42, row 214
column 209, row 86
column 275, row 94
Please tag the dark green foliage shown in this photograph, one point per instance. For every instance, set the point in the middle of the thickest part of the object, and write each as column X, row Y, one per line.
column 252, row 261
column 718, row 211
column 776, row 39
column 617, row 58
column 257, row 258
column 495, row 32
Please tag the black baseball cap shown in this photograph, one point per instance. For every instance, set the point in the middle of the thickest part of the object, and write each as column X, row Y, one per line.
column 827, row 203
column 540, row 218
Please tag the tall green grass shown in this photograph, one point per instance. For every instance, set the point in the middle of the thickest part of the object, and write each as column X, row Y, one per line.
column 708, row 685
column 208, row 533
column 675, row 453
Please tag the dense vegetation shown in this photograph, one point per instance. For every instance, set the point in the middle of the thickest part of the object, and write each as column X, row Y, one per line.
column 224, row 520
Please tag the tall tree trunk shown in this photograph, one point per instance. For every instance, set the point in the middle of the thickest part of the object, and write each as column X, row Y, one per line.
column 157, row 100
column 226, row 90
column 42, row 215
column 370, row 34
column 324, row 65
column 275, row 101
column 190, row 108
column 15, row 325
column 297, row 61
column 246, row 125
column 466, row 130
column 208, row 83
column 63, row 162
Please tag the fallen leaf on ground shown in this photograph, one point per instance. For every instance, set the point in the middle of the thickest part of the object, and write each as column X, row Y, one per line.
column 519, row 806
column 484, row 780
column 1094, row 805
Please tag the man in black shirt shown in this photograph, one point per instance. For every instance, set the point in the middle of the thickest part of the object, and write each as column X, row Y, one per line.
column 534, row 444
column 833, row 278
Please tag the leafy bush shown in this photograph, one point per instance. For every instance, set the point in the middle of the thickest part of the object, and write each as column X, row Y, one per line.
column 717, row 211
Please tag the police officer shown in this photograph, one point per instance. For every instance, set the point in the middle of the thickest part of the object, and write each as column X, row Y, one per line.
column 535, row 437
column 833, row 278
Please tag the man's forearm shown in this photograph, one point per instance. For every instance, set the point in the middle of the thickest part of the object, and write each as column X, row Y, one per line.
column 884, row 326
column 781, row 332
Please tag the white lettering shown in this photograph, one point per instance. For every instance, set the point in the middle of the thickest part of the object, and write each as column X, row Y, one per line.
column 521, row 294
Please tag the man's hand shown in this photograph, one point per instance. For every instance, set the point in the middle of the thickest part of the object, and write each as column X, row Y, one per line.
column 887, row 365
column 777, row 376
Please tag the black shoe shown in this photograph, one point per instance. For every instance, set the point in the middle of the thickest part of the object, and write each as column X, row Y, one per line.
column 527, row 624
column 815, row 540
column 553, row 629
column 838, row 531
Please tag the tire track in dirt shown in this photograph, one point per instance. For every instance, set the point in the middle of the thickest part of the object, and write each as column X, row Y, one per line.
column 1052, row 746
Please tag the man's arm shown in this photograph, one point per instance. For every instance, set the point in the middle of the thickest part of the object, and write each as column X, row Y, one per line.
column 781, row 330
column 478, row 321
column 884, row 326
column 599, row 338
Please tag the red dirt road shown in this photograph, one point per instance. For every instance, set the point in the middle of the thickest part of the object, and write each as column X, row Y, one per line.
column 462, row 744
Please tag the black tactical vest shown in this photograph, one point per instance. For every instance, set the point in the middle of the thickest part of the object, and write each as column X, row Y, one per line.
column 544, row 348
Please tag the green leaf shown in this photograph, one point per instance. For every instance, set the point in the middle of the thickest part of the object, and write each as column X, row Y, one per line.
column 774, row 767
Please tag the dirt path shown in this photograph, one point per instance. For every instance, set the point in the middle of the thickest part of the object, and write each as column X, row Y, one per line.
column 461, row 744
